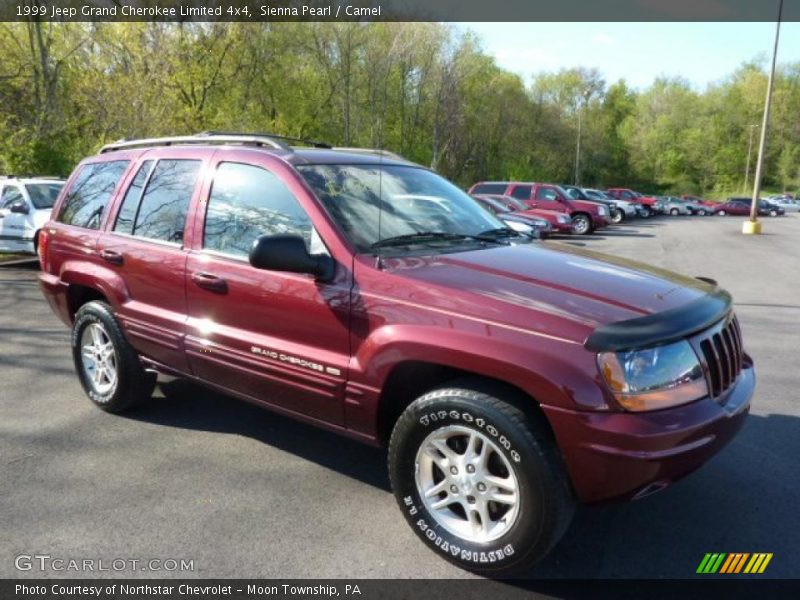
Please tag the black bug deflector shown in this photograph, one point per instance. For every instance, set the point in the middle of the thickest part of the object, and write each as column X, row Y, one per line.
column 662, row 327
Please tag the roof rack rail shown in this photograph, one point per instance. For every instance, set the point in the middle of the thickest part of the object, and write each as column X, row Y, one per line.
column 274, row 136
column 200, row 138
column 375, row 151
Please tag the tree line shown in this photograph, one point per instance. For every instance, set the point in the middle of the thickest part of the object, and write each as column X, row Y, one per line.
column 425, row 90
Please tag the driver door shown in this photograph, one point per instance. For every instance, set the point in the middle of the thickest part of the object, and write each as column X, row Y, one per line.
column 274, row 337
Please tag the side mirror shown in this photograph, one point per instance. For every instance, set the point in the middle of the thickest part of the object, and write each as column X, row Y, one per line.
column 19, row 207
column 289, row 253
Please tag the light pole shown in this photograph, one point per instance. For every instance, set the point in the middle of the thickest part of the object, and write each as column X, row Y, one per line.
column 753, row 226
column 749, row 153
column 585, row 93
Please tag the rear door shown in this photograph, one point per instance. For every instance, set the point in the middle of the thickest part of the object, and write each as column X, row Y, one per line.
column 275, row 337
column 146, row 244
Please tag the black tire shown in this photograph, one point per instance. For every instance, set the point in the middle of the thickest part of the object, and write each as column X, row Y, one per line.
column 646, row 213
column 721, row 213
column 132, row 383
column 582, row 224
column 617, row 216
column 545, row 499
column 674, row 212
column 702, row 212
column 773, row 213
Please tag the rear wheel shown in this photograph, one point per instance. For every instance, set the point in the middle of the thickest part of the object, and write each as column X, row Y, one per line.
column 581, row 224
column 107, row 365
column 646, row 213
column 702, row 212
column 773, row 213
column 674, row 212
column 721, row 213
column 479, row 482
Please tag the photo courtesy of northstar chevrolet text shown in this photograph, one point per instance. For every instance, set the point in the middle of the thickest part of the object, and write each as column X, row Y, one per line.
column 358, row 298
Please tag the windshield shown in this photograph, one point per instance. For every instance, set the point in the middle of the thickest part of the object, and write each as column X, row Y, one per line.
column 375, row 202
column 43, row 195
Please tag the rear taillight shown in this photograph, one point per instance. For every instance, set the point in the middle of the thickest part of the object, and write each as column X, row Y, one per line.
column 41, row 249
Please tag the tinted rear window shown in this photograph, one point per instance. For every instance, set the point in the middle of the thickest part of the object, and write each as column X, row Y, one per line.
column 91, row 192
column 490, row 188
column 127, row 212
column 522, row 192
column 162, row 211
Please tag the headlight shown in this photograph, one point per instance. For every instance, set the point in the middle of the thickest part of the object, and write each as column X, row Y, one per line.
column 602, row 211
column 654, row 378
column 562, row 219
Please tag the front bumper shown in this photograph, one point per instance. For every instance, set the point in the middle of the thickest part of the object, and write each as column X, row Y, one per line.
column 613, row 456
column 600, row 221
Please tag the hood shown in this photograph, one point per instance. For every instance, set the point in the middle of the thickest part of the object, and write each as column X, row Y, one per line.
column 587, row 205
column 546, row 287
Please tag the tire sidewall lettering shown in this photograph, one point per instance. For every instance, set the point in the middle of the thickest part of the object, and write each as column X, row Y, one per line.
column 428, row 419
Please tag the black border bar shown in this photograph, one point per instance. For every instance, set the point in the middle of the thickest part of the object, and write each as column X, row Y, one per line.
column 398, row 10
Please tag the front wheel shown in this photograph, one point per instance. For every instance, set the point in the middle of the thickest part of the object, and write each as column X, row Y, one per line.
column 674, row 212
column 646, row 213
column 617, row 216
column 702, row 212
column 773, row 213
column 581, row 224
column 721, row 213
column 478, row 481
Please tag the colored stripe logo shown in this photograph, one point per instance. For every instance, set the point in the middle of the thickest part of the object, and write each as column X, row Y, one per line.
column 732, row 563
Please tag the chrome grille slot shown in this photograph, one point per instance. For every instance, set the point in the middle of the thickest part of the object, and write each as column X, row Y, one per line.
column 721, row 348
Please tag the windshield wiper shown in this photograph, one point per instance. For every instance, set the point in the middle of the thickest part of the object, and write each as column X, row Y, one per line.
column 492, row 235
column 420, row 236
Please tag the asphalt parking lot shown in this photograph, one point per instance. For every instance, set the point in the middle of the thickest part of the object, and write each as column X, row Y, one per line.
column 245, row 493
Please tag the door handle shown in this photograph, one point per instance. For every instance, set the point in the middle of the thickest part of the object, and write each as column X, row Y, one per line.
column 210, row 282
column 111, row 256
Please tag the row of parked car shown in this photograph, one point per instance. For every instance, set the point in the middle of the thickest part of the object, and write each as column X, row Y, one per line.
column 544, row 209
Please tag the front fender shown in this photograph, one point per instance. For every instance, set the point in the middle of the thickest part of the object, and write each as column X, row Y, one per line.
column 553, row 372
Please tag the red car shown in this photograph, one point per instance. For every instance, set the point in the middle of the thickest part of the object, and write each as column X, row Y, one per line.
column 700, row 201
column 649, row 202
column 559, row 221
column 586, row 216
column 367, row 295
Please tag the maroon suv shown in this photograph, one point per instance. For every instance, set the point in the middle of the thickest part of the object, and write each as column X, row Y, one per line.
column 367, row 295
column 587, row 216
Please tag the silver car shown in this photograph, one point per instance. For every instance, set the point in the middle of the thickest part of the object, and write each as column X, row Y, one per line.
column 785, row 203
column 675, row 206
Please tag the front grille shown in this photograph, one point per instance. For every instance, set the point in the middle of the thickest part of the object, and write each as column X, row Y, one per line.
column 722, row 353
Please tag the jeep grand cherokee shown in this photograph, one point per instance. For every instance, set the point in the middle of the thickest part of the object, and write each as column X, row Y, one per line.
column 367, row 295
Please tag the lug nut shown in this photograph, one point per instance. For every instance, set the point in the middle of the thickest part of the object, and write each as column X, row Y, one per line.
column 454, row 470
column 454, row 489
column 481, row 487
column 470, row 468
column 471, row 499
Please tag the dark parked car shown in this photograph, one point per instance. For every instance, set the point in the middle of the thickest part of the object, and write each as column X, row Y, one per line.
column 559, row 222
column 369, row 296
column 586, row 216
column 535, row 226
column 741, row 206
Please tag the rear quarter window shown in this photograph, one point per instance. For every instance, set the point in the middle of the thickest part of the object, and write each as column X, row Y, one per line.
column 91, row 192
column 490, row 188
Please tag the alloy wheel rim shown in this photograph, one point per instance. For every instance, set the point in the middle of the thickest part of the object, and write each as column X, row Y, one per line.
column 98, row 358
column 467, row 484
column 580, row 225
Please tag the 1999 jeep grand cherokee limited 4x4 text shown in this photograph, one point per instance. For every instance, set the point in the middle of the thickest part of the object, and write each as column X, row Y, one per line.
column 368, row 295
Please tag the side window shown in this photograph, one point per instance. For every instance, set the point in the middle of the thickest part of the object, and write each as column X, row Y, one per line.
column 162, row 211
column 522, row 192
column 544, row 193
column 90, row 193
column 248, row 201
column 490, row 188
column 10, row 195
column 127, row 212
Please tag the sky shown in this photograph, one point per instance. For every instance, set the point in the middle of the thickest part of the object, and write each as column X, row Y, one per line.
column 638, row 52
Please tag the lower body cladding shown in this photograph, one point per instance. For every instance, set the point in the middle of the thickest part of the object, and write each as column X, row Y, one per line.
column 623, row 455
